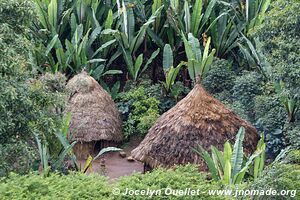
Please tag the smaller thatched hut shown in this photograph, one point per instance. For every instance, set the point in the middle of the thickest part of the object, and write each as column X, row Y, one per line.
column 95, row 122
column 197, row 119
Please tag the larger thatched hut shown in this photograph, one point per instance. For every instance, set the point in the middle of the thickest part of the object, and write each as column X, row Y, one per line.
column 95, row 121
column 197, row 119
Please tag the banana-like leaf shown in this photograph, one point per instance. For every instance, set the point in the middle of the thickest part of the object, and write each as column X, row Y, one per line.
column 156, row 4
column 42, row 15
column 207, row 14
column 137, row 66
column 94, row 35
column 149, row 61
column 109, row 20
column 103, row 46
column 167, row 57
column 210, row 164
column 52, row 44
column 105, row 150
column 195, row 46
column 96, row 60
column 196, row 17
column 219, row 158
column 227, row 173
column 58, row 163
column 187, row 17
column 52, row 14
column 112, row 72
column 239, row 176
column 227, row 152
column 139, row 38
column 237, row 154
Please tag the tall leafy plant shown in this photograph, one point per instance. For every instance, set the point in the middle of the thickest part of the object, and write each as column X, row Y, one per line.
column 130, row 41
column 198, row 62
column 170, row 71
column 231, row 165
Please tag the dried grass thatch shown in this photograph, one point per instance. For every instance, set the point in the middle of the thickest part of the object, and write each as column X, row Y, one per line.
column 95, row 116
column 197, row 119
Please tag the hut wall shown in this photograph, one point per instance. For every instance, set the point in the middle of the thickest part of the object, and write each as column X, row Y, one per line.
column 83, row 149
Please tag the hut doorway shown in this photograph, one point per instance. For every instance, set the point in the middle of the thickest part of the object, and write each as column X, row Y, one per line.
column 102, row 144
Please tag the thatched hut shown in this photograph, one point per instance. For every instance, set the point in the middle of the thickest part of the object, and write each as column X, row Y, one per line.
column 95, row 121
column 197, row 119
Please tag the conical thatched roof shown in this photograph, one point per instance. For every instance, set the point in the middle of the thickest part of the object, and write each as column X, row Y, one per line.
column 197, row 119
column 94, row 114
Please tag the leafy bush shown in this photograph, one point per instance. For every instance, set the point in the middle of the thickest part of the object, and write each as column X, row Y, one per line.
column 280, row 44
column 26, row 104
column 292, row 134
column 246, row 87
column 82, row 186
column 16, row 156
column 179, row 178
column 73, row 186
column 270, row 119
column 219, row 77
column 139, row 111
column 279, row 177
column 17, row 13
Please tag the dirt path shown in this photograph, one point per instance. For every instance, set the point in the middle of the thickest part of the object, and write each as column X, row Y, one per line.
column 115, row 165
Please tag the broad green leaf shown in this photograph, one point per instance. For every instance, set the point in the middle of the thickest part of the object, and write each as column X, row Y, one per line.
column 227, row 173
column 105, row 150
column 237, row 154
column 149, row 61
column 112, row 72
column 137, row 66
column 187, row 17
column 210, row 164
column 52, row 44
column 167, row 57
column 196, row 16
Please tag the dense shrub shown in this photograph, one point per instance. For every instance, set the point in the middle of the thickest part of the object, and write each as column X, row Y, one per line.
column 26, row 104
column 219, row 77
column 82, row 186
column 139, row 111
column 73, row 186
column 280, row 44
column 279, row 176
column 245, row 88
column 17, row 13
column 180, row 178
column 292, row 134
column 17, row 156
column 270, row 119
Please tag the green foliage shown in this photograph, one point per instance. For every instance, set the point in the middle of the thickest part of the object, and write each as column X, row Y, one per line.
column 291, row 134
column 16, row 156
column 279, row 177
column 170, row 72
column 69, row 35
column 17, row 14
column 27, row 105
column 219, row 77
column 139, row 111
column 245, row 88
column 230, row 166
column 198, row 62
column 72, row 186
column 181, row 177
column 270, row 119
column 279, row 35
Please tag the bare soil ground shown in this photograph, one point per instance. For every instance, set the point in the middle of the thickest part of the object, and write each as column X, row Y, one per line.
column 115, row 165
